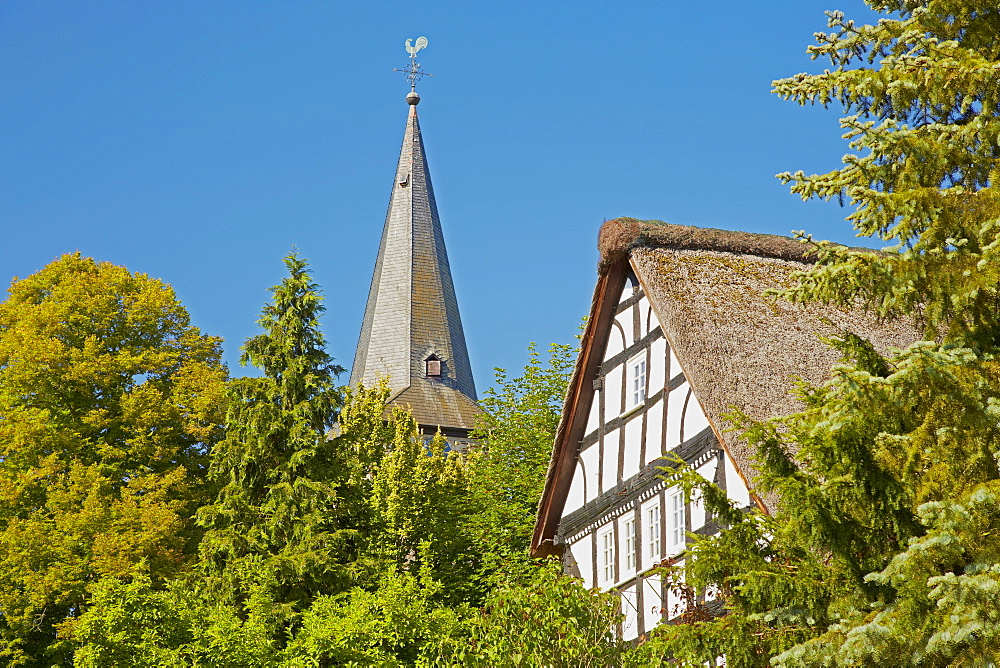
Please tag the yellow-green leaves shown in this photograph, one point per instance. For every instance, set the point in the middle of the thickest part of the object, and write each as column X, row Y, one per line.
column 110, row 400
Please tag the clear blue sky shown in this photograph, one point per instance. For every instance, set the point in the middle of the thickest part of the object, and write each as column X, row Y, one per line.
column 198, row 141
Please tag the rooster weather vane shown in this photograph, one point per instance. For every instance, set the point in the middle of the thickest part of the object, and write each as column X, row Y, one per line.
column 413, row 72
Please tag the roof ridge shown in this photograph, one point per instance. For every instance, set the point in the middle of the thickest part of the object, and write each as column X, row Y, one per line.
column 620, row 235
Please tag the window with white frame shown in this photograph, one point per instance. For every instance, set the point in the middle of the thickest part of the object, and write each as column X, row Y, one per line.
column 637, row 380
column 607, row 545
column 678, row 530
column 629, row 548
column 653, row 530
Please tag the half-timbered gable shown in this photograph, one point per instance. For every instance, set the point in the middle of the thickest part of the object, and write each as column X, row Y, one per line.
column 680, row 334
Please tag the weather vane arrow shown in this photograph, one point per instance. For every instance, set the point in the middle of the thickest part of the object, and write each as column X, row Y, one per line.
column 413, row 72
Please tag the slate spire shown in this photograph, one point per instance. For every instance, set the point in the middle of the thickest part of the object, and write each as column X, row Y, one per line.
column 412, row 331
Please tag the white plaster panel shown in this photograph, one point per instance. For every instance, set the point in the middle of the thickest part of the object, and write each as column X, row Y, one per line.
column 735, row 489
column 583, row 554
column 575, row 498
column 625, row 320
column 627, row 292
column 633, row 447
column 673, row 603
column 611, row 447
column 616, row 343
column 707, row 470
column 630, row 608
column 655, row 372
column 654, row 431
column 594, row 418
column 697, row 507
column 696, row 510
column 694, row 418
column 652, row 601
column 675, row 366
column 590, row 464
column 645, row 322
column 675, row 411
column 613, row 393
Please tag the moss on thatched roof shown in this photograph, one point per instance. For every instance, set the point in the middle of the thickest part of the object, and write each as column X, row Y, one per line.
column 742, row 349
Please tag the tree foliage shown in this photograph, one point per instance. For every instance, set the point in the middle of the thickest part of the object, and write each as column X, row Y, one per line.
column 109, row 402
column 277, row 472
column 332, row 532
column 419, row 504
column 546, row 619
column 884, row 548
column 507, row 470
column 410, row 590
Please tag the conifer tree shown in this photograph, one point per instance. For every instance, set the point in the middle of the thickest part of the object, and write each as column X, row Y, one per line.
column 277, row 472
column 884, row 549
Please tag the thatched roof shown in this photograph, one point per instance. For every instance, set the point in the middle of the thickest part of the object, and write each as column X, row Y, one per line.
column 739, row 349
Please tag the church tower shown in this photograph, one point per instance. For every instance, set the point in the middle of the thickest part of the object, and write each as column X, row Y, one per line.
column 412, row 331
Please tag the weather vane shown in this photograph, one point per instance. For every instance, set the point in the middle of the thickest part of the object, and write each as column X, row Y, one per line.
column 413, row 71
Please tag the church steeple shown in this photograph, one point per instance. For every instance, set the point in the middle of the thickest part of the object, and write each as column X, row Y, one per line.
column 412, row 331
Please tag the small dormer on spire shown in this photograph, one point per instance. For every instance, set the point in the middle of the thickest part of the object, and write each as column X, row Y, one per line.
column 433, row 366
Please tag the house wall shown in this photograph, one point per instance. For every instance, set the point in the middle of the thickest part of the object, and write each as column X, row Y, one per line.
column 621, row 518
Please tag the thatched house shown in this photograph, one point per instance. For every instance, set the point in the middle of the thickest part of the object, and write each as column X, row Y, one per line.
column 679, row 335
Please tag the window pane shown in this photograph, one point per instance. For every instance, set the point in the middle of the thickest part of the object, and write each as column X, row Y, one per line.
column 654, row 530
column 677, row 518
column 608, row 556
column 630, row 544
column 637, row 378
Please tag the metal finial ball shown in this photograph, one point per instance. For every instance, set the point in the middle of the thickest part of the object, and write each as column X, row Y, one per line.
column 413, row 98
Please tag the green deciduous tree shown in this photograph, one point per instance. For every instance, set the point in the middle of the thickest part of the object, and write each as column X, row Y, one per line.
column 419, row 503
column 395, row 624
column 136, row 623
column 415, row 573
column 884, row 550
column 334, row 520
column 109, row 402
column 387, row 602
column 507, row 470
column 546, row 619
